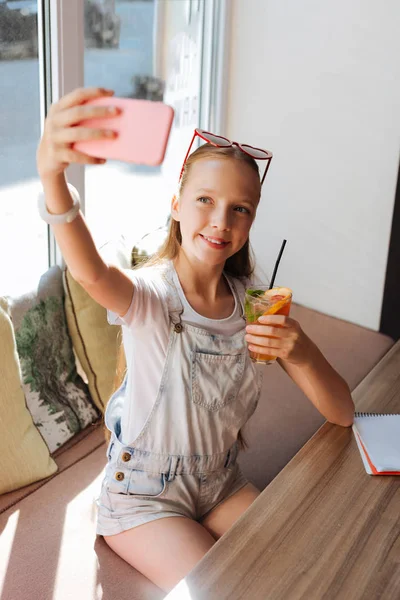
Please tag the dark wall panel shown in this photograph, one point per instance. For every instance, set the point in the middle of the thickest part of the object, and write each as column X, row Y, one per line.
column 390, row 317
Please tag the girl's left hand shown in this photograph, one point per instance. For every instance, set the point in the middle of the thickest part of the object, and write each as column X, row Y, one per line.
column 280, row 336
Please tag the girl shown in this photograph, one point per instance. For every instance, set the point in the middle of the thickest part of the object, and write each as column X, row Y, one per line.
column 172, row 485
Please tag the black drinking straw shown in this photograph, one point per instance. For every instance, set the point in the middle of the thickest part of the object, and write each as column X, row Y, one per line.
column 277, row 264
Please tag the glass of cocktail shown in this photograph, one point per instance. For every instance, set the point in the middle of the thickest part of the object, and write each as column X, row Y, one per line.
column 261, row 301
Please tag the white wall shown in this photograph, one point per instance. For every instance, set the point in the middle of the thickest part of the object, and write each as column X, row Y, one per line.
column 318, row 83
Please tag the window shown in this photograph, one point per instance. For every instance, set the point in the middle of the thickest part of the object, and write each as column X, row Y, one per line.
column 157, row 49
column 23, row 235
column 151, row 50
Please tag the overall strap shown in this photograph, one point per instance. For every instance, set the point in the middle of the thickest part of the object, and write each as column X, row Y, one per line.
column 239, row 289
column 174, row 304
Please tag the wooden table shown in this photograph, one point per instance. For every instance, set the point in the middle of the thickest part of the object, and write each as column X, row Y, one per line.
column 322, row 528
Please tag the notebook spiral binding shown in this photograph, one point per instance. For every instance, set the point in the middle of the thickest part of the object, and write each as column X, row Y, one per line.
column 368, row 414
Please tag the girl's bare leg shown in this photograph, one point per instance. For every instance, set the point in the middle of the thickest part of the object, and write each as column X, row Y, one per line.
column 164, row 550
column 223, row 516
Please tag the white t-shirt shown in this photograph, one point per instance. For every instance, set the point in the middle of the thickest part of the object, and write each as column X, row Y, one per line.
column 145, row 329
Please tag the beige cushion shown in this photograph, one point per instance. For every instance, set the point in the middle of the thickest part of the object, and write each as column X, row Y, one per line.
column 95, row 341
column 24, row 456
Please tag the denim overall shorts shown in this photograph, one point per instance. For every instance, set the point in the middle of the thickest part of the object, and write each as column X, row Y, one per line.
column 184, row 461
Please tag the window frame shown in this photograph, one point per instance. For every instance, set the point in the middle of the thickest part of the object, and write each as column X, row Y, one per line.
column 61, row 69
column 216, row 43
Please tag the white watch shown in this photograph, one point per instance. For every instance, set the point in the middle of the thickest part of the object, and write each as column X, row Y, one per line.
column 66, row 217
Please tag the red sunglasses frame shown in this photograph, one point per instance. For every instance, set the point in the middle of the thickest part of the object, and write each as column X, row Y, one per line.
column 201, row 134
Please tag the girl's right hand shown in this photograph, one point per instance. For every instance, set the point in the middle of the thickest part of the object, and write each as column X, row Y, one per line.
column 61, row 130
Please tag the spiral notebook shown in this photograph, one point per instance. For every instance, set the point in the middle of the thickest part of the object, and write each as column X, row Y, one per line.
column 378, row 440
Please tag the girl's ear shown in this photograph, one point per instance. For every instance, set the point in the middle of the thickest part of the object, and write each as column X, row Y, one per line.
column 175, row 207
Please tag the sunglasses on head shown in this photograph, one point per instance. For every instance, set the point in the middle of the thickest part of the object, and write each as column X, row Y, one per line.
column 222, row 142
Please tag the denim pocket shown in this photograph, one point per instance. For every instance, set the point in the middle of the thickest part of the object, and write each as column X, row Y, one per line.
column 216, row 378
column 138, row 483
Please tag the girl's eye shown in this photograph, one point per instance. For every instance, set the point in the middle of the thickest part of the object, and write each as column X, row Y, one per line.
column 242, row 209
column 203, row 200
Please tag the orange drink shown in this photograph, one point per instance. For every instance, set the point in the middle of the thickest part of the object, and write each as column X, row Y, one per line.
column 263, row 301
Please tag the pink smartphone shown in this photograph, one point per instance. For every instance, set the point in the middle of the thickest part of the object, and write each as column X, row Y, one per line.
column 143, row 130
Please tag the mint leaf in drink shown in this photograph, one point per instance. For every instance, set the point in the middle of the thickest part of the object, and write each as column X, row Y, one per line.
column 255, row 293
column 248, row 313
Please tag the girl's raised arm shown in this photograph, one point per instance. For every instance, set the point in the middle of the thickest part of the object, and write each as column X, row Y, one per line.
column 109, row 286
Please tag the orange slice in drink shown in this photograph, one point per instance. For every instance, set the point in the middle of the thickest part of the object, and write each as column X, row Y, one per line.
column 280, row 296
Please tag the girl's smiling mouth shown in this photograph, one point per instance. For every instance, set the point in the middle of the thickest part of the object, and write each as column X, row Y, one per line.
column 213, row 242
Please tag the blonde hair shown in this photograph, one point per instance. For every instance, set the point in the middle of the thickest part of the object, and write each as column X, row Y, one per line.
column 240, row 264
